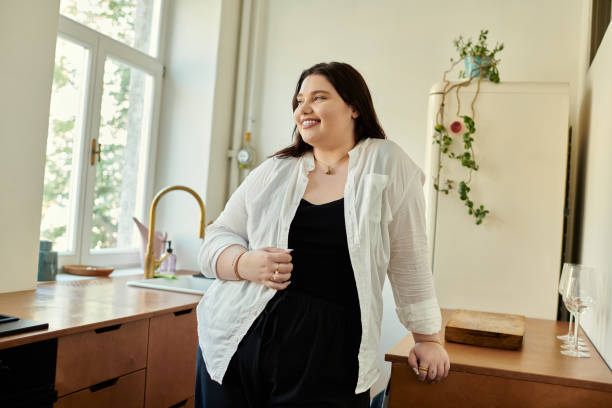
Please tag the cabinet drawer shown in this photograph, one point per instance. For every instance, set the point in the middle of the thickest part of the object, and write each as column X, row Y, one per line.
column 89, row 358
column 125, row 392
column 171, row 365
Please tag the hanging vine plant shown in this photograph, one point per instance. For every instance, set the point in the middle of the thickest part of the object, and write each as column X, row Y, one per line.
column 480, row 63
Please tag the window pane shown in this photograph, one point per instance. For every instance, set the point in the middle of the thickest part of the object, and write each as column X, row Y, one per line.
column 124, row 127
column 63, row 140
column 133, row 22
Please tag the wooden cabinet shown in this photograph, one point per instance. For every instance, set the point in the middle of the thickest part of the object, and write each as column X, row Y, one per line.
column 484, row 391
column 116, row 345
column 149, row 362
column 89, row 358
column 537, row 375
column 171, row 363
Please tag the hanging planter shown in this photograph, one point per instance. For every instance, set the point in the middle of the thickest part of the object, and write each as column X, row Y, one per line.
column 479, row 63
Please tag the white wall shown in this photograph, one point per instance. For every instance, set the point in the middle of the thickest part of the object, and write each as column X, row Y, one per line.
column 28, row 29
column 196, row 116
column 402, row 48
column 594, row 219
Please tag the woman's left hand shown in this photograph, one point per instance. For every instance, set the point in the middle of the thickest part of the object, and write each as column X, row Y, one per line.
column 429, row 360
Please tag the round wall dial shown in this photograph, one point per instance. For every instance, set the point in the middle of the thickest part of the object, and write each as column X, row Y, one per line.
column 243, row 156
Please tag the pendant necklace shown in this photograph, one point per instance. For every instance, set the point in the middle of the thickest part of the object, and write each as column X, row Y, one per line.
column 329, row 168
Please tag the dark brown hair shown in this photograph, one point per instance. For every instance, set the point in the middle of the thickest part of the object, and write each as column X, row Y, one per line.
column 353, row 90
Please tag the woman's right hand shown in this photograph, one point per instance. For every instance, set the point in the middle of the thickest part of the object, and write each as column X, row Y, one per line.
column 260, row 265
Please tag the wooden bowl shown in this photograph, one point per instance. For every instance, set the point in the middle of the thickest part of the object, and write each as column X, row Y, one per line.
column 88, row 270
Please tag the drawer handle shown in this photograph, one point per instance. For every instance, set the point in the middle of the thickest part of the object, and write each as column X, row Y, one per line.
column 103, row 384
column 180, row 404
column 182, row 312
column 107, row 328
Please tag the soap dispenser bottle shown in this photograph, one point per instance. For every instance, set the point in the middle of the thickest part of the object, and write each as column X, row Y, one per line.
column 169, row 264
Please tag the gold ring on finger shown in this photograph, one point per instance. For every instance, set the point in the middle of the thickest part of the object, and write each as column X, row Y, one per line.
column 423, row 368
column 275, row 274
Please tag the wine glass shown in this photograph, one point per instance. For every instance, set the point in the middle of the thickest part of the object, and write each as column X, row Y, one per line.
column 578, row 297
column 562, row 287
column 568, row 338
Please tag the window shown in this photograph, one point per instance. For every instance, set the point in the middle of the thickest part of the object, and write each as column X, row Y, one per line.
column 102, row 127
column 131, row 22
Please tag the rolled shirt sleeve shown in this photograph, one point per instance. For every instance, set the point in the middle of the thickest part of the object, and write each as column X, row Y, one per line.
column 409, row 269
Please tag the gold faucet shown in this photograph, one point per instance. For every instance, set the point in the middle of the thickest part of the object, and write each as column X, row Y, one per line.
column 151, row 264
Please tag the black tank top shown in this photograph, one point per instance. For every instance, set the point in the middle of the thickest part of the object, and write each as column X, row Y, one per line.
column 321, row 262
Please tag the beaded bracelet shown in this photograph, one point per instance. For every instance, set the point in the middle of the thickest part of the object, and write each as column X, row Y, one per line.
column 235, row 265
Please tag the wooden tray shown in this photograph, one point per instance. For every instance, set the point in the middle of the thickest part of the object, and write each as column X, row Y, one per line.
column 88, row 270
column 497, row 330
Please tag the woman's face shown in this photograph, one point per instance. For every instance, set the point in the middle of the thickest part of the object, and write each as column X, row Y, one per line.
column 322, row 117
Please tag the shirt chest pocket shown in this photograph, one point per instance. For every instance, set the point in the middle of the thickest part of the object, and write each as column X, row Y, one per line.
column 373, row 188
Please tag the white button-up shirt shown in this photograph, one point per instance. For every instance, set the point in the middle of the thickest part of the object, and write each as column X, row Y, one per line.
column 384, row 213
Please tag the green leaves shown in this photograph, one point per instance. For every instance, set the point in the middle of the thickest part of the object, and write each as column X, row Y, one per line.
column 466, row 158
column 484, row 59
column 63, row 74
column 493, row 75
column 442, row 138
column 463, row 191
column 469, row 124
column 467, row 161
column 449, row 186
column 480, row 212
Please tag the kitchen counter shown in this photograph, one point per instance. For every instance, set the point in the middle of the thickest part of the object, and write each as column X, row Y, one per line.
column 75, row 305
column 534, row 376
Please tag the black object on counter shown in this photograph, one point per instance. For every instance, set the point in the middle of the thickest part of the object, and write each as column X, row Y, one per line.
column 13, row 325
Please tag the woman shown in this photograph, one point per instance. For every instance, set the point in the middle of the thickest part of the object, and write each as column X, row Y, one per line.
column 301, row 326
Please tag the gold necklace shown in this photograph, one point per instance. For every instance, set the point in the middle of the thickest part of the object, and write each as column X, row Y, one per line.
column 329, row 168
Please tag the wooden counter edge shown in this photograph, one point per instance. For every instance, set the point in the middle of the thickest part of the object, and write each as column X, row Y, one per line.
column 47, row 334
column 540, row 378
column 39, row 335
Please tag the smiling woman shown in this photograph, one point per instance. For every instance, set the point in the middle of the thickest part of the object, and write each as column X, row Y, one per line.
column 300, row 326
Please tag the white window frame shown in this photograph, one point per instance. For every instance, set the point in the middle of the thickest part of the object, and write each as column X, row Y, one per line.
column 101, row 46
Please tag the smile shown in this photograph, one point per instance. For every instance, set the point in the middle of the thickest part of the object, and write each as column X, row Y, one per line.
column 310, row 123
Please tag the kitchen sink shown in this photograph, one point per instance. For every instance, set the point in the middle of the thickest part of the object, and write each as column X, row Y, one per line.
column 184, row 283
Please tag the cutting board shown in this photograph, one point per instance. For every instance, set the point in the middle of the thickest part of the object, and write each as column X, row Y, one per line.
column 498, row 330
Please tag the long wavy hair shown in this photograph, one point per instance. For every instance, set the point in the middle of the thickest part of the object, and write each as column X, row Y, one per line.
column 353, row 90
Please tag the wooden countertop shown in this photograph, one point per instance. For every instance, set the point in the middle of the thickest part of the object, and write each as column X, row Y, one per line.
column 538, row 360
column 80, row 305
